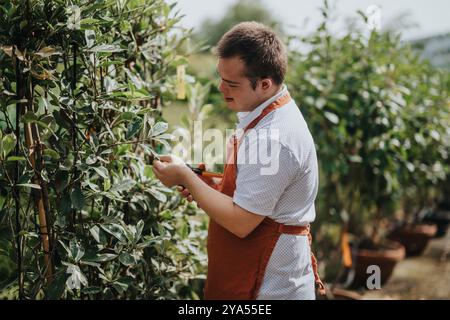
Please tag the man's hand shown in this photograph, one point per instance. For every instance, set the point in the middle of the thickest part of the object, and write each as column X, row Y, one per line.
column 171, row 170
column 185, row 193
column 212, row 182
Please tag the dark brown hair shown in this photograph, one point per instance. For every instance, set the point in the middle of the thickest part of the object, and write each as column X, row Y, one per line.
column 259, row 47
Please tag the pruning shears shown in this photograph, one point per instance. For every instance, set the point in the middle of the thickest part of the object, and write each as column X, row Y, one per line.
column 201, row 171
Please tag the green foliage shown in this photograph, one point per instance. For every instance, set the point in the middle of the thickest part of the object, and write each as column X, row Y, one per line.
column 86, row 81
column 379, row 116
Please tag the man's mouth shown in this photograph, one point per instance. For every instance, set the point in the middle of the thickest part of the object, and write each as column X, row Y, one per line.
column 229, row 99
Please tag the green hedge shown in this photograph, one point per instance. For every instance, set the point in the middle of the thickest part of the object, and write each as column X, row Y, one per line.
column 87, row 80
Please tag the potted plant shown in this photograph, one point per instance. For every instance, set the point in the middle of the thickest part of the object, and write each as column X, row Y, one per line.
column 440, row 213
column 356, row 93
column 426, row 166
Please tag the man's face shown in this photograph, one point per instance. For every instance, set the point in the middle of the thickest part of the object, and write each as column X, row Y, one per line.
column 235, row 87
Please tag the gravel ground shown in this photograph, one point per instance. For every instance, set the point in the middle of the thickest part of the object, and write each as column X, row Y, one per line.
column 423, row 277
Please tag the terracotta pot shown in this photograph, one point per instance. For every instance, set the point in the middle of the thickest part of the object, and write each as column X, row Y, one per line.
column 386, row 258
column 414, row 237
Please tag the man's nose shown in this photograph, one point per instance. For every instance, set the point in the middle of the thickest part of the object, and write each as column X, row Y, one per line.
column 221, row 86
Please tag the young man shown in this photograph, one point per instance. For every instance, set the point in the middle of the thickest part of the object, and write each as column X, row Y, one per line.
column 258, row 237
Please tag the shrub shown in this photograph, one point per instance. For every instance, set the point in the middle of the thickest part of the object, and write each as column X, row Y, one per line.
column 379, row 116
column 81, row 94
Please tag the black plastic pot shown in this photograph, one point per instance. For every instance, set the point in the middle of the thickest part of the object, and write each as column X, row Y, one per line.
column 441, row 219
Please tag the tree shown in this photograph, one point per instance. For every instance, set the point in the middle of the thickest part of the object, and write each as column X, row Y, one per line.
column 242, row 10
column 379, row 116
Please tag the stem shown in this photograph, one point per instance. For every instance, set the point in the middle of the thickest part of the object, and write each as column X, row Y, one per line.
column 34, row 145
column 74, row 121
column 129, row 142
column 20, row 94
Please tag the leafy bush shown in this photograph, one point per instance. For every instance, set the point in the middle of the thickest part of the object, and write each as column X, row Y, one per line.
column 380, row 118
column 81, row 93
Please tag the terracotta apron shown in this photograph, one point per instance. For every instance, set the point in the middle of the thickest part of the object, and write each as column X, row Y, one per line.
column 236, row 266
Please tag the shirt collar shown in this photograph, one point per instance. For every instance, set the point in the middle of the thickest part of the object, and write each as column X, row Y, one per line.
column 245, row 118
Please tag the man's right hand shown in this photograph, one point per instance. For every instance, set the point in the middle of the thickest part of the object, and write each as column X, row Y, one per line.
column 185, row 193
column 212, row 182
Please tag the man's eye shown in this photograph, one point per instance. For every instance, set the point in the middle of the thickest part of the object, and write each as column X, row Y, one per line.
column 231, row 86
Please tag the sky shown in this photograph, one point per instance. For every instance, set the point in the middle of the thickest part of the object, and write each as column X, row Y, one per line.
column 430, row 16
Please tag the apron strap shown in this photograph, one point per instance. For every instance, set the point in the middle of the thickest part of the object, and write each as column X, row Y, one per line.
column 314, row 264
column 304, row 230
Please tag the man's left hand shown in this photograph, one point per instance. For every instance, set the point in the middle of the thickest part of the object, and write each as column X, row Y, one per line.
column 171, row 170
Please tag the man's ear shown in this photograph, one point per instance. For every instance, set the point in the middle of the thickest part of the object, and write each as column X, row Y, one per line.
column 266, row 83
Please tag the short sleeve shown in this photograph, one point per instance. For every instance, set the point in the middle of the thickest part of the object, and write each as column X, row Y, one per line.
column 262, row 179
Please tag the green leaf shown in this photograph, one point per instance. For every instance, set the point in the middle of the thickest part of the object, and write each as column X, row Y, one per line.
column 89, row 36
column 61, row 180
column 127, row 116
column 331, row 117
column 159, row 128
column 166, row 214
column 166, row 136
column 77, row 278
column 56, row 288
column 180, row 60
column 102, row 257
column 106, row 185
column 29, row 117
column 148, row 172
column 91, row 290
column 133, row 128
column 29, row 185
column 126, row 259
column 51, row 153
column 87, row 22
column 77, row 198
column 65, row 205
column 161, row 197
column 106, row 48
column 115, row 230
column 124, row 185
column 14, row 158
column 95, row 232
column 184, row 230
column 139, row 228
column 7, row 144
column 128, row 95
column 120, row 286
column 356, row 159
column 102, row 171
column 91, row 159
column 25, row 177
column 76, row 250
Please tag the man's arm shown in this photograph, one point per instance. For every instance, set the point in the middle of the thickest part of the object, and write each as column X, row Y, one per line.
column 217, row 205
column 222, row 209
